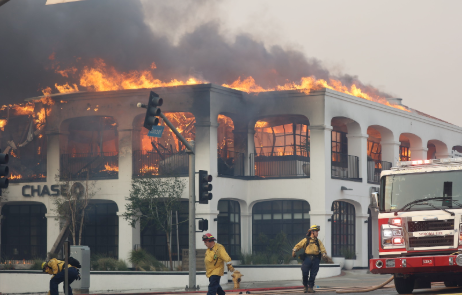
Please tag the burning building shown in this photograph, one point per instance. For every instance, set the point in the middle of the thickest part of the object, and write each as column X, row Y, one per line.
column 281, row 161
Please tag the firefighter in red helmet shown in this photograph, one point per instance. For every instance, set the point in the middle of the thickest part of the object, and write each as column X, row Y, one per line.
column 215, row 259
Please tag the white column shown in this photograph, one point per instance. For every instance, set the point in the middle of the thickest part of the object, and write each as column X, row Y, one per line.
column 53, row 229
column 246, row 232
column 361, row 241
column 357, row 146
column 53, row 156
column 390, row 151
column 128, row 237
column 250, row 162
column 325, row 235
column 418, row 153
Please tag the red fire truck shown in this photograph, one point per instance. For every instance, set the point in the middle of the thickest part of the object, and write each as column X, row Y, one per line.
column 419, row 224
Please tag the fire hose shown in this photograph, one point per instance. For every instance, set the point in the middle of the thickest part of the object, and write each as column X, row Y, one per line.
column 368, row 289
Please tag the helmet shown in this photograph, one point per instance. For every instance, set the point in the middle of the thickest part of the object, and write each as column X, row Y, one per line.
column 208, row 237
column 44, row 264
column 315, row 227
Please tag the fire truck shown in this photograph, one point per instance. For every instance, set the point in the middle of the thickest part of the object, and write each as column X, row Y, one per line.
column 419, row 224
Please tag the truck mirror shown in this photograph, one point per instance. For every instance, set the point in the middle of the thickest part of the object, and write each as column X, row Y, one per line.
column 374, row 200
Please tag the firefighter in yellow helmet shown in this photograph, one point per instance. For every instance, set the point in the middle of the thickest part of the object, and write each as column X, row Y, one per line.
column 215, row 259
column 55, row 268
column 311, row 257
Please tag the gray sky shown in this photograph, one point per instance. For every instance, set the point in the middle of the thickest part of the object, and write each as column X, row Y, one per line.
column 408, row 49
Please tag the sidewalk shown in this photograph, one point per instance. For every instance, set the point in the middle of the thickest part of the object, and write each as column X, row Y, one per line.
column 348, row 278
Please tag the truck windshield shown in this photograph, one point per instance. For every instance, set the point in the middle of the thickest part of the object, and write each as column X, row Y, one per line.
column 402, row 189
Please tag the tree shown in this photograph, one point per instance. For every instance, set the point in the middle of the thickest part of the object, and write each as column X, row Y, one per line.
column 71, row 204
column 152, row 201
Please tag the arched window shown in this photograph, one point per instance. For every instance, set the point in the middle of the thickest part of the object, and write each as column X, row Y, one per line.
column 24, row 232
column 164, row 156
column 101, row 229
column 229, row 226
column 272, row 217
column 154, row 240
column 343, row 228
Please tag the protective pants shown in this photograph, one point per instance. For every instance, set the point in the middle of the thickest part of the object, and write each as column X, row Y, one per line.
column 310, row 267
column 59, row 278
column 214, row 286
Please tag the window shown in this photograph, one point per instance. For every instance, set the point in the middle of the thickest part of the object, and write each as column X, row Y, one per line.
column 339, row 149
column 272, row 217
column 343, row 228
column 229, row 226
column 101, row 229
column 24, row 232
column 404, row 153
column 154, row 240
column 282, row 140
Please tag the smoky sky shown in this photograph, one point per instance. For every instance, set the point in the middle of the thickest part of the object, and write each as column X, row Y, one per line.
column 115, row 31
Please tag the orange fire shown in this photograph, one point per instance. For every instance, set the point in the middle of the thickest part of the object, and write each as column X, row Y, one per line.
column 13, row 176
column 108, row 167
column 261, row 124
column 150, row 169
column 2, row 124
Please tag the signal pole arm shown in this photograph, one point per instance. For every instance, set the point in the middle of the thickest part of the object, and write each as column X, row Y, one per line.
column 180, row 137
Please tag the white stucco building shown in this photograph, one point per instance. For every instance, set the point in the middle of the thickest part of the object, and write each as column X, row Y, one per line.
column 281, row 161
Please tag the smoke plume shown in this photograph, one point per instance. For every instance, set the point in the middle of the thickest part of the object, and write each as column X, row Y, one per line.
column 37, row 39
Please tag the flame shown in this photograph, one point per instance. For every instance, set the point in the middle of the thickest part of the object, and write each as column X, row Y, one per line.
column 150, row 169
column 261, row 124
column 66, row 88
column 108, row 167
column 13, row 176
column 66, row 72
column 2, row 124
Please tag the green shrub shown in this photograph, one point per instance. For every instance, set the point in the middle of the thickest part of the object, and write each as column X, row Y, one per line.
column 37, row 264
column 144, row 261
column 101, row 262
column 348, row 253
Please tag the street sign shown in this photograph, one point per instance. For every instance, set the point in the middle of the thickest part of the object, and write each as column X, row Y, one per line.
column 156, row 131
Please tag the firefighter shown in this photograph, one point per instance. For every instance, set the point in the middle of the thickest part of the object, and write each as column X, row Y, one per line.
column 215, row 259
column 55, row 268
column 311, row 257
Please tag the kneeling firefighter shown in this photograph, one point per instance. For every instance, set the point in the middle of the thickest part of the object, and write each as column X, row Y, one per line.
column 311, row 258
column 56, row 267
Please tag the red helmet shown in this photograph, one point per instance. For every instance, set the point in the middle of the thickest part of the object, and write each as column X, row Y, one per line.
column 208, row 237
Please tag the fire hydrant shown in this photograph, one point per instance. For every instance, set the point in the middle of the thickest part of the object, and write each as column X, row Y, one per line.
column 237, row 278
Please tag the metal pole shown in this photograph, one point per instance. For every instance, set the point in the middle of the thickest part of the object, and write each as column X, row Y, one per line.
column 66, row 267
column 177, row 240
column 192, row 223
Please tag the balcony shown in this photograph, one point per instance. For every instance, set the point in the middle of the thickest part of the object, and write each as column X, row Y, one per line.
column 270, row 166
column 345, row 167
column 149, row 164
column 27, row 167
column 230, row 163
column 89, row 166
column 374, row 168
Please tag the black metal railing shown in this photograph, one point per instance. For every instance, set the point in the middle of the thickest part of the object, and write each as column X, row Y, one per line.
column 27, row 168
column 374, row 168
column 280, row 166
column 152, row 163
column 345, row 167
column 230, row 163
column 89, row 166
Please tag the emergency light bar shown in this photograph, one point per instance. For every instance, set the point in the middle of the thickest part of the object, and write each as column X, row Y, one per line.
column 431, row 162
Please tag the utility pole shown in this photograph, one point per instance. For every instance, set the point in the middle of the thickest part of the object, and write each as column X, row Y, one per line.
column 152, row 111
column 3, row 2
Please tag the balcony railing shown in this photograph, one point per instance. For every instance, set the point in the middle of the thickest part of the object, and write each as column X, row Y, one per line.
column 89, row 166
column 149, row 163
column 280, row 166
column 345, row 167
column 24, row 168
column 230, row 163
column 374, row 168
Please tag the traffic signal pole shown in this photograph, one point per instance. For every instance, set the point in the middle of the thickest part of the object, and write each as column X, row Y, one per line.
column 192, row 205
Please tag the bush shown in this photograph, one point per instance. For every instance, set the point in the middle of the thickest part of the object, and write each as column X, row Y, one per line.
column 348, row 253
column 37, row 264
column 100, row 262
column 144, row 261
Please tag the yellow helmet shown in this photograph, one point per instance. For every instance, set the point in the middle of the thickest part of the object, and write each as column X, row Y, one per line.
column 43, row 265
column 315, row 227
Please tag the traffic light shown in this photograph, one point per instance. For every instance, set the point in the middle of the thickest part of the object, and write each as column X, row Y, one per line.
column 204, row 187
column 4, row 171
column 203, row 225
column 152, row 111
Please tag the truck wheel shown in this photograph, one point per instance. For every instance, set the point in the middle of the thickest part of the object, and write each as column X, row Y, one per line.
column 450, row 283
column 404, row 285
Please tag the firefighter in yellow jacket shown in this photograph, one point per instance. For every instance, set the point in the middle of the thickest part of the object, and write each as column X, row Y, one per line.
column 55, row 268
column 314, row 249
column 215, row 259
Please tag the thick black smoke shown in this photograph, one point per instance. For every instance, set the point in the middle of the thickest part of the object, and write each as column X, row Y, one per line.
column 115, row 31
